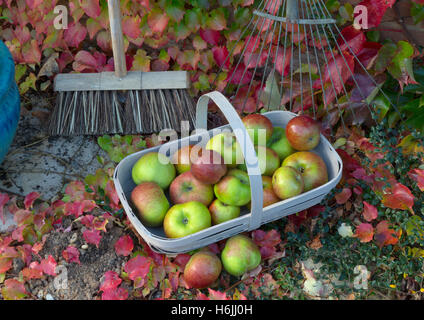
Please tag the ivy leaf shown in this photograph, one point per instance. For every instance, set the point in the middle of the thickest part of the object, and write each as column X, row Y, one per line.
column 399, row 197
column 385, row 236
column 212, row 37
column 343, row 196
column 92, row 236
column 369, row 54
column 91, row 7
column 217, row 20
column 131, row 26
column 175, row 9
column 71, row 254
column 13, row 290
column 370, row 212
column 75, row 34
column 5, row 264
column 157, row 21
column 416, row 175
column 34, row 271
column 124, row 246
column 364, row 232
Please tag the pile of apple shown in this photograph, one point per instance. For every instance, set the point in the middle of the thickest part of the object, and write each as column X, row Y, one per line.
column 185, row 196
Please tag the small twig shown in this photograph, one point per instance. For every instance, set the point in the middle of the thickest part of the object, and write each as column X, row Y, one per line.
column 10, row 192
column 400, row 20
column 27, row 146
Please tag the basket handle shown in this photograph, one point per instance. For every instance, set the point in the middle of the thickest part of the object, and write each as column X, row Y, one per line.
column 247, row 149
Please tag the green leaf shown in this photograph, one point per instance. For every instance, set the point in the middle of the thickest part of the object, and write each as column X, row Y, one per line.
column 20, row 71
column 417, row 12
column 332, row 5
column 175, row 9
column 105, row 143
column 192, row 19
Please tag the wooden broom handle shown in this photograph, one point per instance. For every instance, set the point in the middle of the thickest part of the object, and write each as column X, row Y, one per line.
column 115, row 20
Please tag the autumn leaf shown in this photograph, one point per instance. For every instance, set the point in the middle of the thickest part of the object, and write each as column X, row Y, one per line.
column 211, row 37
column 5, row 264
column 157, row 21
column 124, row 246
column 118, row 294
column 131, row 26
column 352, row 38
column 416, row 175
column 49, row 266
column 364, row 232
column 220, row 54
column 75, row 34
column 376, row 10
column 111, row 281
column 71, row 254
column 385, row 236
column 34, row 271
column 343, row 196
column 399, row 197
column 370, row 212
column 30, row 198
column 92, row 236
column 217, row 295
column 91, row 7
column 137, row 269
column 13, row 290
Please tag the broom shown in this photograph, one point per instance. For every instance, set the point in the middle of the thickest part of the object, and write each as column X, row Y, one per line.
column 121, row 102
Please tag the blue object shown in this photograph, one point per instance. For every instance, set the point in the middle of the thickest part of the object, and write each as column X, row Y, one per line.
column 9, row 101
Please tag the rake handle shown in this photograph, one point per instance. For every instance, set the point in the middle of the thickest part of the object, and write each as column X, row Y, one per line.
column 115, row 20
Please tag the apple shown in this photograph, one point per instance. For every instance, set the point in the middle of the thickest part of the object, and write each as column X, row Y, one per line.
column 269, row 196
column 186, row 188
column 287, row 182
column 202, row 270
column 227, row 146
column 151, row 203
column 280, row 144
column 154, row 167
column 240, row 255
column 208, row 167
column 234, row 188
column 303, row 133
column 185, row 219
column 259, row 128
column 221, row 212
column 311, row 166
column 268, row 159
column 181, row 159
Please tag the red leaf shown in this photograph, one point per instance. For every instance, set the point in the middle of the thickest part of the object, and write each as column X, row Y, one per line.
column 212, row 37
column 111, row 193
column 266, row 239
column 30, row 198
column 385, row 236
column 13, row 290
column 370, row 212
column 111, row 281
column 364, row 232
column 49, row 266
column 33, row 272
column 343, row 196
column 124, row 246
column 416, row 174
column 31, row 52
column 85, row 61
column 157, row 21
column 182, row 259
column 239, row 76
column 369, row 53
column 220, row 54
column 92, row 236
column 5, row 264
column 91, row 7
column 351, row 38
column 137, row 267
column 71, row 254
column 4, row 199
column 376, row 10
column 217, row 295
column 315, row 211
column 118, row 294
column 33, row 4
column 400, row 198
column 131, row 26
column 298, row 218
column 75, row 34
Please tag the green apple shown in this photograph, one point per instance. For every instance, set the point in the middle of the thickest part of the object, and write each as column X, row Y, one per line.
column 221, row 212
column 240, row 255
column 280, row 144
column 268, row 159
column 185, row 219
column 311, row 166
column 227, row 146
column 287, row 182
column 258, row 127
column 154, row 167
column 234, row 188
column 181, row 159
column 151, row 203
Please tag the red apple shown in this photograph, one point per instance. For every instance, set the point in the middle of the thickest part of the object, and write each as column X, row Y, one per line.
column 208, row 167
column 303, row 133
column 287, row 182
column 181, row 159
column 151, row 203
column 269, row 196
column 185, row 219
column 311, row 166
column 259, row 128
column 202, row 270
column 187, row 188
column 221, row 212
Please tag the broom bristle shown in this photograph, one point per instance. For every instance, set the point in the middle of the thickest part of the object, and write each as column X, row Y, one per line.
column 119, row 112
